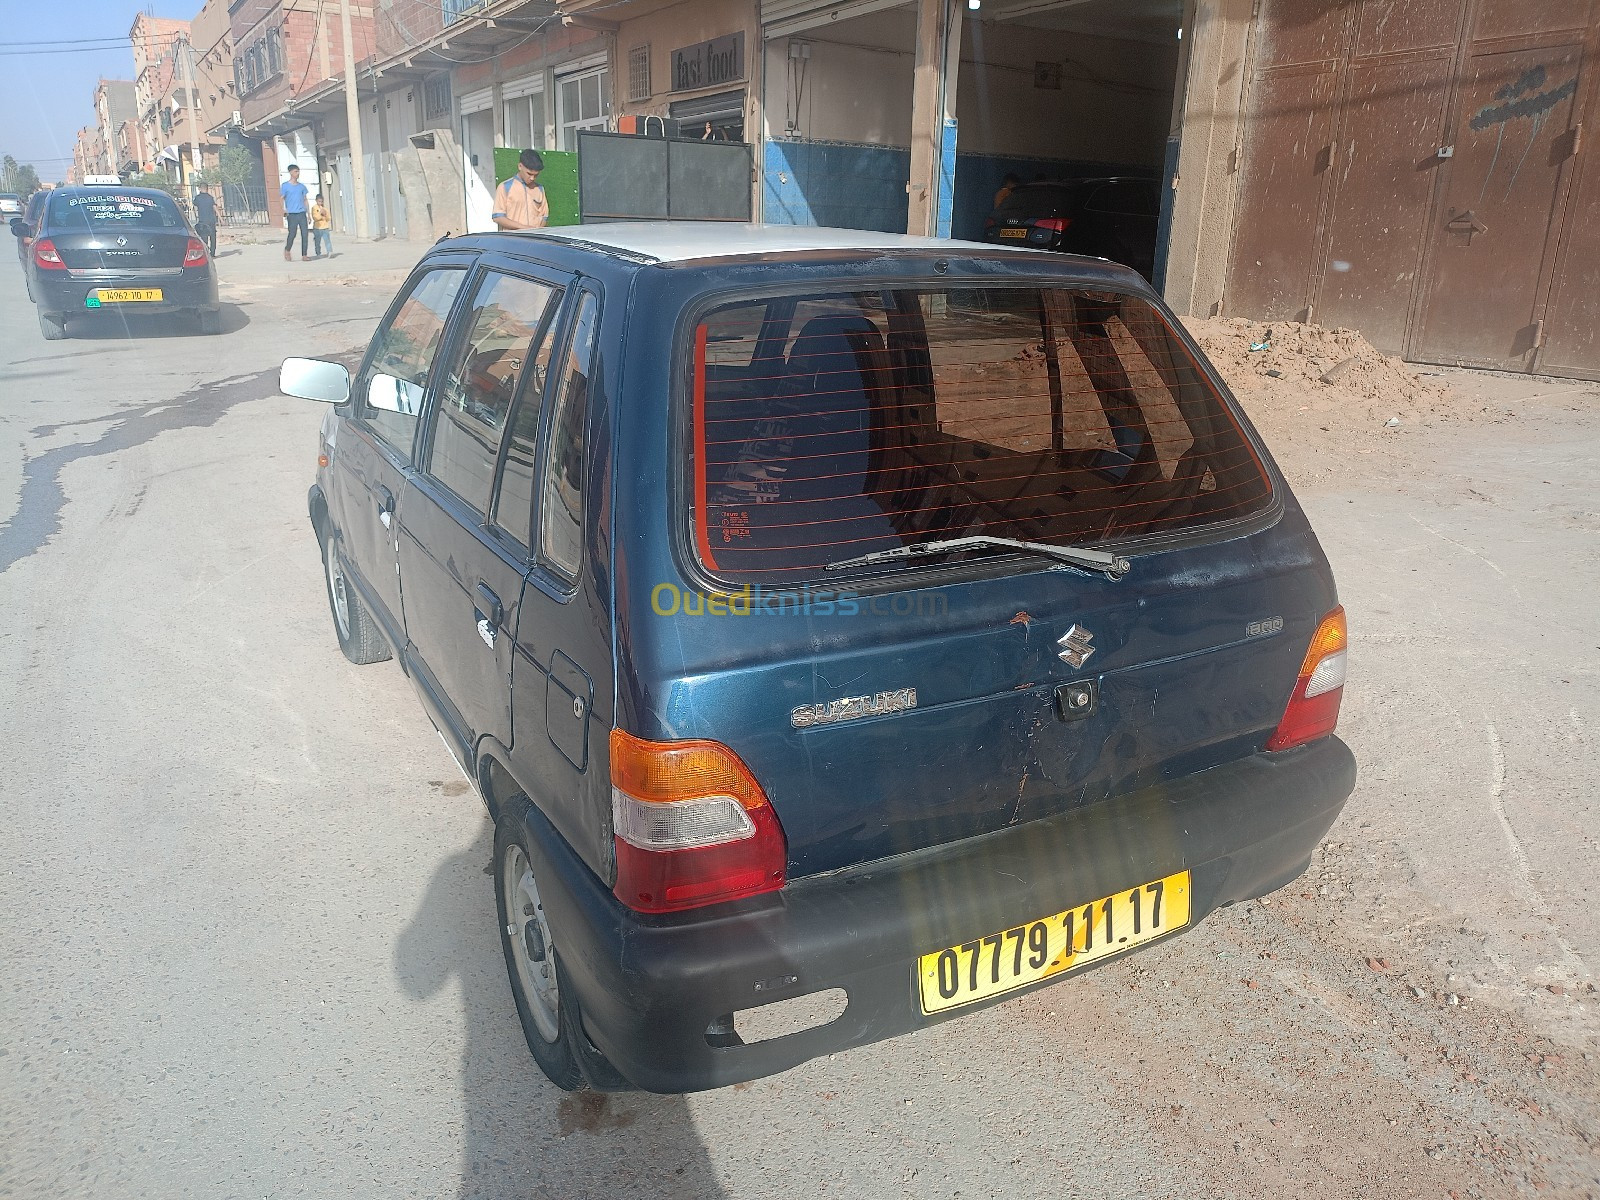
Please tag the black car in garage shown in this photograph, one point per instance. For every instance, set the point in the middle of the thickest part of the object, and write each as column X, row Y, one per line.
column 1111, row 217
column 97, row 250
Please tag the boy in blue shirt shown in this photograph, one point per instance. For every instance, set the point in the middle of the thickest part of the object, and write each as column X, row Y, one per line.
column 294, row 212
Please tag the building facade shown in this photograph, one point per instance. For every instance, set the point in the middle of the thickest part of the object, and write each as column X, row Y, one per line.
column 1412, row 168
column 155, row 41
column 114, row 107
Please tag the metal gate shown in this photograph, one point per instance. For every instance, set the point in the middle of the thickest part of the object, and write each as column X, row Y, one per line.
column 627, row 178
column 1418, row 180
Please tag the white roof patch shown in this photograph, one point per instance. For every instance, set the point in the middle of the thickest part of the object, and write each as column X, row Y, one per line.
column 679, row 241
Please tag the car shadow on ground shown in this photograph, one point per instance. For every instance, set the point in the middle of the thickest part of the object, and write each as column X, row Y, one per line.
column 521, row 1134
column 117, row 327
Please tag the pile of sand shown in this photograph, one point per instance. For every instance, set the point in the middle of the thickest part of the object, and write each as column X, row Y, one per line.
column 1311, row 389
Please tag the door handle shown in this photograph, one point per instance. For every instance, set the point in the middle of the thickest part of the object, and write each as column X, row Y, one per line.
column 489, row 614
column 385, row 506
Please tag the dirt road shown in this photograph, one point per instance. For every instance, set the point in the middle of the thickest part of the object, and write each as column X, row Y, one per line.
column 248, row 945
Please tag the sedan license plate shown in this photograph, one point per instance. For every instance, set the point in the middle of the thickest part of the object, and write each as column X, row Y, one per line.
column 1014, row 958
column 121, row 296
column 1014, row 233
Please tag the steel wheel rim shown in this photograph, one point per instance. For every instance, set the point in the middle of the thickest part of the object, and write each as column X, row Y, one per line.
column 336, row 591
column 533, row 951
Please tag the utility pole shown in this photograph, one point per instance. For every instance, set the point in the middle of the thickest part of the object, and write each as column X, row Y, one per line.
column 352, row 114
column 191, row 101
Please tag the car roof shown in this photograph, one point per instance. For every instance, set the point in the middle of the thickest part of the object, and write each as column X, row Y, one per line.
column 687, row 241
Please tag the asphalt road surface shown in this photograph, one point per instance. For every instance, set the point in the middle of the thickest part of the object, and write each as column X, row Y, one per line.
column 248, row 947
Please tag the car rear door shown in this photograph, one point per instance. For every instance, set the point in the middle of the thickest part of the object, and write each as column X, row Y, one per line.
column 466, row 519
column 372, row 454
column 563, row 675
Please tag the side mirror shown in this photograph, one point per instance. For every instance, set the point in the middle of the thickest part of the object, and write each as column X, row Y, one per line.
column 19, row 227
column 388, row 394
column 314, row 379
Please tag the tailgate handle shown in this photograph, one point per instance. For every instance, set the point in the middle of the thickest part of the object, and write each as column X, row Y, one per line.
column 1077, row 700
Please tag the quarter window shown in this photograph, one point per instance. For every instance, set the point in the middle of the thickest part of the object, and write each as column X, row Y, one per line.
column 561, row 507
column 397, row 376
column 475, row 395
column 513, row 510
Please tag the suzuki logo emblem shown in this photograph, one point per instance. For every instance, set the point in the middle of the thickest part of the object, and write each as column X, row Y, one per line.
column 1075, row 648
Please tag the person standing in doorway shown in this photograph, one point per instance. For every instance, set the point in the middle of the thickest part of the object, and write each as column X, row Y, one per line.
column 322, row 228
column 519, row 202
column 205, row 218
column 294, row 212
column 1007, row 186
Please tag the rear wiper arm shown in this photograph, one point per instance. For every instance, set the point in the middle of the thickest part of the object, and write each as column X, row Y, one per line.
column 1112, row 566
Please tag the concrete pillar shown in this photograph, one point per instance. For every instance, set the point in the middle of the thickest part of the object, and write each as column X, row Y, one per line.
column 933, row 110
column 1203, row 205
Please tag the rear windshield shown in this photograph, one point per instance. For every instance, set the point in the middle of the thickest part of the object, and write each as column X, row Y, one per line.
column 831, row 426
column 114, row 210
column 1038, row 200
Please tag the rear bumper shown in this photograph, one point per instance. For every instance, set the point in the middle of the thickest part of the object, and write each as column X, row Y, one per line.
column 649, row 986
column 65, row 296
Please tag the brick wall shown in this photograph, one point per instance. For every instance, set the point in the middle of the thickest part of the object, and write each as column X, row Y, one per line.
column 406, row 23
column 300, row 47
column 560, row 44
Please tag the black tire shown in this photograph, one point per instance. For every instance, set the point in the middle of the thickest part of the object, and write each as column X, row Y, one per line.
column 52, row 328
column 209, row 321
column 552, row 1039
column 357, row 632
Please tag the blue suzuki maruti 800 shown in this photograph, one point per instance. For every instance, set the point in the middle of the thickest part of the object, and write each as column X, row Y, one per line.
column 844, row 631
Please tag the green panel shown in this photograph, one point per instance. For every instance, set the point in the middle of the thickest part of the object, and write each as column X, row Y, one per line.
column 559, row 179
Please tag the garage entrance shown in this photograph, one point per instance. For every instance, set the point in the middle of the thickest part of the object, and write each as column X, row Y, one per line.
column 1070, row 90
column 1046, row 91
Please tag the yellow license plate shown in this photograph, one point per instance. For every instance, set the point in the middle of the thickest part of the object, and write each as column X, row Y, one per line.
column 127, row 295
column 1016, row 233
column 1016, row 957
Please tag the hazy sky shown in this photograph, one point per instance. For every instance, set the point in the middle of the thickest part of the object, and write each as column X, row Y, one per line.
column 46, row 98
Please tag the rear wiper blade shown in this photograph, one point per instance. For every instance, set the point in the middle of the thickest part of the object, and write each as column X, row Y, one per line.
column 1112, row 566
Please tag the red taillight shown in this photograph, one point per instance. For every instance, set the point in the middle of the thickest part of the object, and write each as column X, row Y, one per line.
column 194, row 255
column 692, row 826
column 46, row 257
column 1054, row 224
column 1313, row 708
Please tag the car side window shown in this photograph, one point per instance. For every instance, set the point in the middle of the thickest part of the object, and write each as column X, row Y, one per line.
column 561, row 502
column 502, row 327
column 396, row 377
column 513, row 507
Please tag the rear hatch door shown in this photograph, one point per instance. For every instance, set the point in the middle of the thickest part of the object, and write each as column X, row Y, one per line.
column 889, row 706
